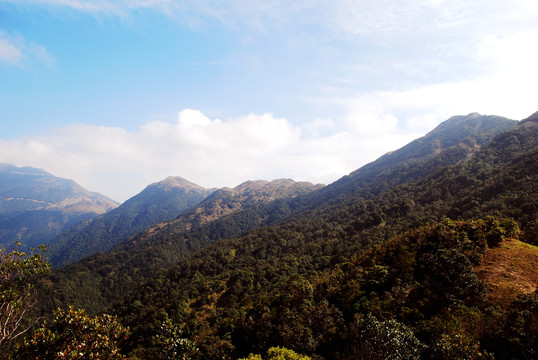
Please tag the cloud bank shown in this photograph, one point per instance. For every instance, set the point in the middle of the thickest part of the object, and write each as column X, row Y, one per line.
column 210, row 152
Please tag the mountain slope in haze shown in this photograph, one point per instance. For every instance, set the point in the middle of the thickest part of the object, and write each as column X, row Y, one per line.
column 138, row 258
column 161, row 201
column 35, row 205
column 224, row 215
column 284, row 285
column 454, row 139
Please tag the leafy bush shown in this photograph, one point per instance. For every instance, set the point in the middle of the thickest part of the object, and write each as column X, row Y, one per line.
column 18, row 273
column 72, row 334
column 383, row 340
column 278, row 353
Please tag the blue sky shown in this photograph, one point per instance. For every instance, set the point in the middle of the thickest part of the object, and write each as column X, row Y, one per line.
column 118, row 94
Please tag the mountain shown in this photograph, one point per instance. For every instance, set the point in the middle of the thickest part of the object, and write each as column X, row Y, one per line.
column 247, row 195
column 161, row 201
column 451, row 141
column 366, row 267
column 35, row 205
column 225, row 213
column 229, row 213
column 340, row 280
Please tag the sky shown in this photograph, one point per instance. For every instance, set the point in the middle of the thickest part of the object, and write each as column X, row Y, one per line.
column 119, row 94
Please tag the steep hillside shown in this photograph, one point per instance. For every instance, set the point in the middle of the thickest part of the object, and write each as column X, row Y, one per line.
column 35, row 205
column 95, row 282
column 307, row 284
column 453, row 140
column 161, row 201
column 408, row 164
column 105, row 277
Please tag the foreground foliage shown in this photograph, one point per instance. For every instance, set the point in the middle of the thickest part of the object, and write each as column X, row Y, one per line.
column 18, row 273
column 71, row 334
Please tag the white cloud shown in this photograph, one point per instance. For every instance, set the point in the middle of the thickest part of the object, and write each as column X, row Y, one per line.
column 9, row 52
column 318, row 127
column 505, row 86
column 14, row 50
column 494, row 38
column 210, row 152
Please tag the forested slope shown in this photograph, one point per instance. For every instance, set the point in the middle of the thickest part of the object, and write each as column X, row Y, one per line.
column 102, row 278
column 94, row 282
column 309, row 285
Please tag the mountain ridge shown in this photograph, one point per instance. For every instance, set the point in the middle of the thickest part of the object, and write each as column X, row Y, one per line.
column 152, row 250
column 159, row 201
column 192, row 231
column 36, row 205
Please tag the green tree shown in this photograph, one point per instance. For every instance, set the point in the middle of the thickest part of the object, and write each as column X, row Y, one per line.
column 18, row 273
column 388, row 340
column 173, row 344
column 72, row 334
column 456, row 346
column 278, row 353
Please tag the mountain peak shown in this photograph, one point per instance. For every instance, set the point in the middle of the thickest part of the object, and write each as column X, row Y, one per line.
column 27, row 170
column 158, row 202
column 462, row 132
column 36, row 205
column 173, row 182
column 275, row 188
column 531, row 121
column 453, row 130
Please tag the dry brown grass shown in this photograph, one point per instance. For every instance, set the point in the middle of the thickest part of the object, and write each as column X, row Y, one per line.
column 509, row 270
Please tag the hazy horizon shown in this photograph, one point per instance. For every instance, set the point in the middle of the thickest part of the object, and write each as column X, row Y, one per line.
column 119, row 94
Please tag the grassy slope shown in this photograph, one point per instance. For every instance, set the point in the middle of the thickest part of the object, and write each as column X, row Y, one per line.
column 510, row 269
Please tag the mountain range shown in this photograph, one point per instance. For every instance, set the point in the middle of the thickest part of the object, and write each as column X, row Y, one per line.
column 224, row 213
column 402, row 256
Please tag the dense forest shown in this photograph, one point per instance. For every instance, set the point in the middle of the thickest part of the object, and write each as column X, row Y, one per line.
column 405, row 258
column 231, row 298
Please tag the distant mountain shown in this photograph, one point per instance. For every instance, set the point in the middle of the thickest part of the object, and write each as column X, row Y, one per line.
column 225, row 213
column 227, row 201
column 35, row 206
column 161, row 201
